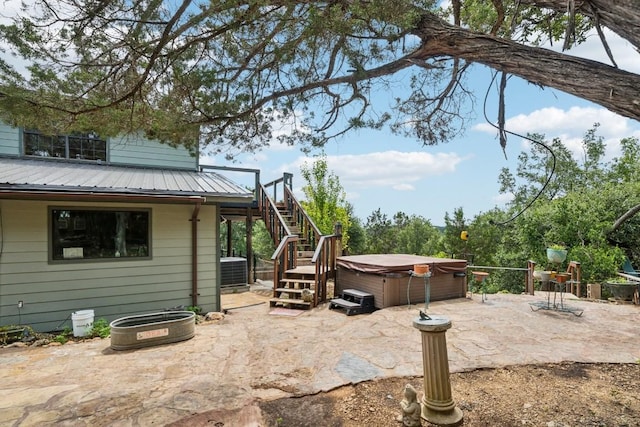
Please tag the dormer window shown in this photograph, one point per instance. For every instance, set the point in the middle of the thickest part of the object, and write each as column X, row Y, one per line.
column 80, row 146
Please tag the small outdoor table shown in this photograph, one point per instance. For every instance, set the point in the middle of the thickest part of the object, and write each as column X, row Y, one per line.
column 558, row 288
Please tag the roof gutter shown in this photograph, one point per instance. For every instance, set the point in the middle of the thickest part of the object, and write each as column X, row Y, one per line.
column 97, row 197
column 194, row 253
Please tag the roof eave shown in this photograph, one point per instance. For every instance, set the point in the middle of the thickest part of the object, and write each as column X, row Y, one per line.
column 98, row 197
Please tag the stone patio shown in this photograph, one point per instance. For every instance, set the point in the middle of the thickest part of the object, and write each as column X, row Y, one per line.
column 252, row 355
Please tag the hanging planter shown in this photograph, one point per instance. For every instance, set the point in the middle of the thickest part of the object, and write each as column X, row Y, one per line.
column 556, row 254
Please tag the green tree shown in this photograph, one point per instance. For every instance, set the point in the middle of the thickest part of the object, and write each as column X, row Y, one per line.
column 625, row 171
column 357, row 237
column 454, row 246
column 223, row 75
column 583, row 208
column 403, row 234
column 485, row 239
column 592, row 169
column 380, row 235
column 546, row 163
column 238, row 238
column 416, row 235
column 263, row 245
column 626, row 168
column 325, row 198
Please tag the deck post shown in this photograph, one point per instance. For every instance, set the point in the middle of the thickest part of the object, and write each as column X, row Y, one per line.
column 529, row 283
column 249, row 246
column 437, row 405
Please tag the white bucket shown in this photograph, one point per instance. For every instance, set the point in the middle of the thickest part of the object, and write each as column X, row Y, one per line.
column 82, row 322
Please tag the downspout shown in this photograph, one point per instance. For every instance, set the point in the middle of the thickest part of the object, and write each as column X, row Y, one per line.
column 194, row 253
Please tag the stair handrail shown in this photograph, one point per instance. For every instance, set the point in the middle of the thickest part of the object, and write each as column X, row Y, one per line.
column 326, row 252
column 285, row 256
column 300, row 217
column 273, row 220
column 286, row 180
column 308, row 228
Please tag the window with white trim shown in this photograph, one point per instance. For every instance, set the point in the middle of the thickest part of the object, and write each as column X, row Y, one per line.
column 80, row 146
column 99, row 233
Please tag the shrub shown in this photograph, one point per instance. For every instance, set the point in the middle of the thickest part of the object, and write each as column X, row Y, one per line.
column 100, row 329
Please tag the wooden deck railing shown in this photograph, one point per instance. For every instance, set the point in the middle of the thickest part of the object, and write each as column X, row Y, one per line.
column 324, row 259
column 284, row 258
column 285, row 255
column 273, row 220
column 309, row 231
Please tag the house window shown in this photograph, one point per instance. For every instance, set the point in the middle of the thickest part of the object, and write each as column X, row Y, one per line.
column 99, row 234
column 82, row 146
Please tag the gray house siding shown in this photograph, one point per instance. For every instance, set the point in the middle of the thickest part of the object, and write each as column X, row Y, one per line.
column 133, row 150
column 136, row 150
column 9, row 140
column 50, row 292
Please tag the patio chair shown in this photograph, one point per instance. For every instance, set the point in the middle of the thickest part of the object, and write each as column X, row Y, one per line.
column 627, row 268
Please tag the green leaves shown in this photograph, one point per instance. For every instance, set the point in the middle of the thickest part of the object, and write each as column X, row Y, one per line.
column 584, row 200
column 214, row 74
column 325, row 198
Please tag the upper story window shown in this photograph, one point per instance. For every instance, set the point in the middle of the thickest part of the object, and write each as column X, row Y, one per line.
column 81, row 146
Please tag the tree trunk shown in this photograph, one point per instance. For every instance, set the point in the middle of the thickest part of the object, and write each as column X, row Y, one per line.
column 627, row 215
column 620, row 16
column 614, row 89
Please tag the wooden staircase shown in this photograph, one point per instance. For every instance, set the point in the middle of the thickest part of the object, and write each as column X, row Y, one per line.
column 304, row 259
column 296, row 289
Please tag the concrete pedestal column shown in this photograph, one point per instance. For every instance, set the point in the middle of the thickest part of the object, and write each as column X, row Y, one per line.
column 437, row 405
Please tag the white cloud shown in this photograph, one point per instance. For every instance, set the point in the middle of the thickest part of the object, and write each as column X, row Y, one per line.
column 385, row 169
column 570, row 127
column 502, row 199
column 404, row 187
column 554, row 120
column 353, row 195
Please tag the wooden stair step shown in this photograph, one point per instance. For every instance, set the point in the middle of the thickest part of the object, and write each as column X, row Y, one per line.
column 274, row 301
column 304, row 281
column 293, row 290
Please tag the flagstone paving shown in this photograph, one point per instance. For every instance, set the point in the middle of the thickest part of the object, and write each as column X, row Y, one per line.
column 250, row 355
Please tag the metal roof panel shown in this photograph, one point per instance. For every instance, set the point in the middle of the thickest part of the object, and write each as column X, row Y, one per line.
column 35, row 174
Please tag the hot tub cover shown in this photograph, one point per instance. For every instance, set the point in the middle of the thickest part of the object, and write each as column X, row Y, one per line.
column 399, row 263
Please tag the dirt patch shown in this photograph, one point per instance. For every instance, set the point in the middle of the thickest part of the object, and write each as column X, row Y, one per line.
column 551, row 395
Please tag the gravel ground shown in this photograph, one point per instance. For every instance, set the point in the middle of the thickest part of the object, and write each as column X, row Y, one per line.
column 552, row 395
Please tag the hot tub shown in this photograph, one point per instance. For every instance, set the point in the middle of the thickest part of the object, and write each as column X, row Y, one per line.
column 388, row 278
column 151, row 329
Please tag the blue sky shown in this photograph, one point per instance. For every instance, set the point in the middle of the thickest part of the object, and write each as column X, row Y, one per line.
column 381, row 170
